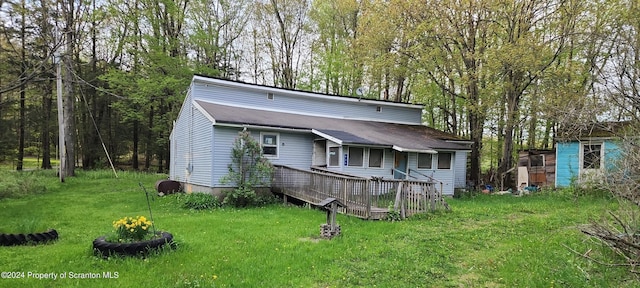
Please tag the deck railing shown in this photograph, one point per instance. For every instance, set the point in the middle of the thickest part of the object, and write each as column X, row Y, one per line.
column 364, row 198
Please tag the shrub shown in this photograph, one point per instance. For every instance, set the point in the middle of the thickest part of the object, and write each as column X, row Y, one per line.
column 393, row 215
column 240, row 197
column 16, row 184
column 248, row 169
column 199, row 201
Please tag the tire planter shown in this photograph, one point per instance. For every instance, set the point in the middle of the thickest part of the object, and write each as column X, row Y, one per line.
column 31, row 238
column 104, row 248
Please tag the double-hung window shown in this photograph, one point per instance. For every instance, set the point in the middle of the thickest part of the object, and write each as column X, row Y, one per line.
column 376, row 157
column 269, row 143
column 425, row 160
column 356, row 155
column 444, row 160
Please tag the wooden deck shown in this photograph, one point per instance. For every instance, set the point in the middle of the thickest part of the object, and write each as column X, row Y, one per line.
column 364, row 198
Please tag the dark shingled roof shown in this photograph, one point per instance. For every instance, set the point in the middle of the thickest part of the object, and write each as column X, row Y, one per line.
column 346, row 137
column 405, row 136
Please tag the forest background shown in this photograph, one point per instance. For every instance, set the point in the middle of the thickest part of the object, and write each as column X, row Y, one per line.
column 512, row 74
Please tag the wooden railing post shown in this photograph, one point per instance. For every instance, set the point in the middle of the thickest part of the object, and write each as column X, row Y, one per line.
column 367, row 194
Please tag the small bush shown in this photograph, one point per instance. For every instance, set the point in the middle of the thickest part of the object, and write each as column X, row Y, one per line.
column 240, row 197
column 393, row 215
column 199, row 201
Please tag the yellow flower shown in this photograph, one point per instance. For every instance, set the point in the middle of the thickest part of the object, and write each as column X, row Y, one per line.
column 215, row 277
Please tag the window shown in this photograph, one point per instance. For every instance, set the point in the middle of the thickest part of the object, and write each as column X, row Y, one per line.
column 375, row 157
column 334, row 156
column 537, row 160
column 425, row 161
column 270, row 96
column 591, row 156
column 269, row 142
column 444, row 160
column 378, row 108
column 356, row 155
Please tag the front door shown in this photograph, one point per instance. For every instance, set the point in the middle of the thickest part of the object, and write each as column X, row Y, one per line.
column 400, row 165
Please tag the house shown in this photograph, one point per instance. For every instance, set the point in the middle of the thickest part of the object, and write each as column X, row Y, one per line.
column 585, row 154
column 359, row 137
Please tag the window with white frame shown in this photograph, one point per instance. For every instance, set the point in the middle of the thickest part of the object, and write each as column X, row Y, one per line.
column 269, row 143
column 591, row 156
column 444, row 160
column 356, row 156
column 425, row 161
column 376, row 157
column 334, row 156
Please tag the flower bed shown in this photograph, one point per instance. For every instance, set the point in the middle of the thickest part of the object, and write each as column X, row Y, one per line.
column 105, row 248
column 133, row 236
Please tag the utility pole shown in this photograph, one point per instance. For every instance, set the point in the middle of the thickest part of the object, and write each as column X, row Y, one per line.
column 61, row 146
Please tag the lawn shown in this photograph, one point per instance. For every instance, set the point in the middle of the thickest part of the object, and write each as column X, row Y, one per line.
column 485, row 241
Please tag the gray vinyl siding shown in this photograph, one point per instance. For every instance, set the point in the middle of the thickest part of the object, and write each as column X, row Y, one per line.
column 201, row 154
column 180, row 142
column 257, row 99
column 295, row 149
column 446, row 176
column 222, row 143
column 365, row 171
column 460, row 169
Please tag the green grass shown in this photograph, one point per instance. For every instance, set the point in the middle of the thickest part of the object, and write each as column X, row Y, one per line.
column 28, row 163
column 486, row 241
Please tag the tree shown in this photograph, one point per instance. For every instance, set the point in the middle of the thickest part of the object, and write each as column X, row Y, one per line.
column 282, row 30
column 248, row 170
column 337, row 65
column 215, row 31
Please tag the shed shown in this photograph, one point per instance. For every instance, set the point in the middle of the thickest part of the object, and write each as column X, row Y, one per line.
column 586, row 153
column 537, row 167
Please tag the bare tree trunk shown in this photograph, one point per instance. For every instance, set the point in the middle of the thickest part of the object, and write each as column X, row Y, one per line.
column 47, row 103
column 136, row 139
column 23, row 96
column 68, row 99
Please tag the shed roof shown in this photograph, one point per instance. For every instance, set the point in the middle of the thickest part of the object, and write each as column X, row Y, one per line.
column 614, row 129
column 402, row 137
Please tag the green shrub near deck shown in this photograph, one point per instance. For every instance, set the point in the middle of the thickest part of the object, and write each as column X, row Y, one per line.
column 485, row 241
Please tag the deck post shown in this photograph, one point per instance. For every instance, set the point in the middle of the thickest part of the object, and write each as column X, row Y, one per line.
column 433, row 199
column 367, row 199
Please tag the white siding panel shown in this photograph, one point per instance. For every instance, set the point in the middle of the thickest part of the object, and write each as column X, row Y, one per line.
column 299, row 104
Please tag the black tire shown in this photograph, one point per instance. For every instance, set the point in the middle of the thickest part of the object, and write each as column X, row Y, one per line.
column 32, row 238
column 103, row 248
